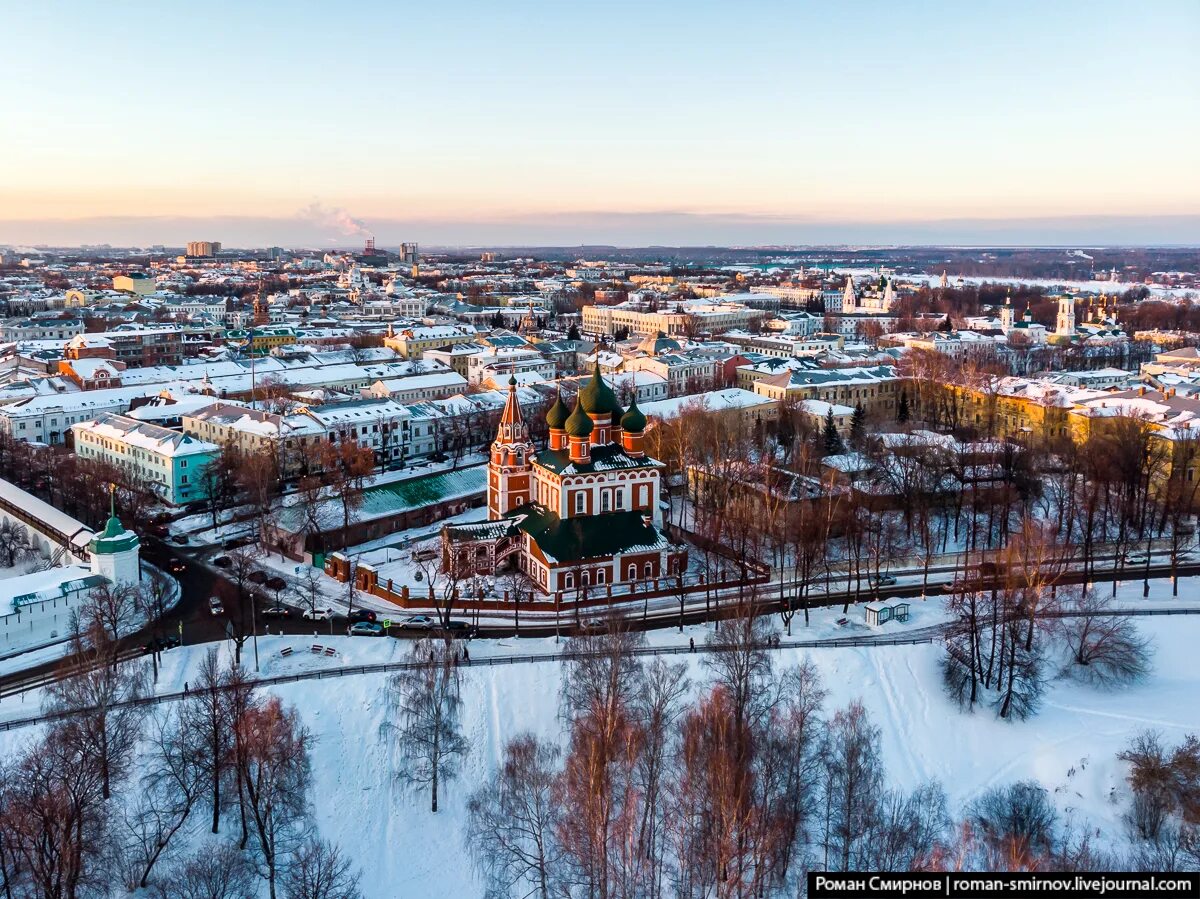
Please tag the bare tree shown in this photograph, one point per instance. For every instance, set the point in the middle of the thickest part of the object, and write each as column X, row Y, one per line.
column 318, row 870
column 210, row 715
column 95, row 695
column 150, row 601
column 427, row 734
column 852, row 783
column 1165, row 784
column 109, row 612
column 53, row 827
column 1106, row 648
column 512, row 823
column 214, row 871
column 1016, row 822
column 275, row 772
column 14, row 543
column 173, row 786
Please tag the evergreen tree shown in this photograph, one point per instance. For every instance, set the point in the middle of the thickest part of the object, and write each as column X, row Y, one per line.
column 573, row 332
column 902, row 408
column 858, row 425
column 833, row 442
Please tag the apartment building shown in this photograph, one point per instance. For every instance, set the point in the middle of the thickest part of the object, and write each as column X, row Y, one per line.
column 875, row 388
column 169, row 462
column 411, row 343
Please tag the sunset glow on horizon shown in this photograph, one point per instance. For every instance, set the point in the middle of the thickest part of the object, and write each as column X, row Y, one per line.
column 469, row 112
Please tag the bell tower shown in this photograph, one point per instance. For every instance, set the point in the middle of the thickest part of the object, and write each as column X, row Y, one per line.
column 510, row 471
column 1065, row 327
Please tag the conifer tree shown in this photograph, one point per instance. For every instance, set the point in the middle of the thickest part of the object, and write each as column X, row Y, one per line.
column 833, row 441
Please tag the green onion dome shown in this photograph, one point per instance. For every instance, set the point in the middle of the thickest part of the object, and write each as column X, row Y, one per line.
column 578, row 424
column 633, row 420
column 597, row 398
column 557, row 416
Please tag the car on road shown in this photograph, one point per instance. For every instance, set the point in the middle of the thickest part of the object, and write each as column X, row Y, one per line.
column 181, row 539
column 362, row 615
column 366, row 629
column 177, row 567
column 160, row 644
column 319, row 614
column 883, row 580
column 417, row 623
column 462, row 628
column 215, row 607
column 277, row 612
column 223, row 561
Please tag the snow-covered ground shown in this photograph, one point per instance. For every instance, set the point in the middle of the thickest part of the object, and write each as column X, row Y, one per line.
column 404, row 850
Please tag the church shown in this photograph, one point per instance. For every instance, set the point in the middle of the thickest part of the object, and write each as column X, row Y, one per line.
column 583, row 514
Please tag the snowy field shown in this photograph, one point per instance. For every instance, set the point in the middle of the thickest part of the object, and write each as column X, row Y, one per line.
column 404, row 850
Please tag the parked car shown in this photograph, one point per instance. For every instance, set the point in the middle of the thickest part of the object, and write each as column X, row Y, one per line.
column 215, row 607
column 222, row 561
column 181, row 539
column 362, row 615
column 320, row 614
column 277, row 612
column 276, row 583
column 417, row 623
column 257, row 577
column 366, row 629
column 160, row 644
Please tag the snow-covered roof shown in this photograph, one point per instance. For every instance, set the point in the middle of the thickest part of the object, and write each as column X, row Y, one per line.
column 143, row 435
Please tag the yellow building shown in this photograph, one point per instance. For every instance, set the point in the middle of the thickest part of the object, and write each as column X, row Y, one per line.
column 262, row 340
column 137, row 283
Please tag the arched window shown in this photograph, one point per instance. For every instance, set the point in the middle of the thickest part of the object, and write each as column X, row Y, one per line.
column 649, row 569
column 600, row 576
column 585, row 580
column 568, row 580
column 632, row 571
column 604, row 500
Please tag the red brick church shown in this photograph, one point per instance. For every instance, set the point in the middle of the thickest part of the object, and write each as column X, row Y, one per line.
column 581, row 514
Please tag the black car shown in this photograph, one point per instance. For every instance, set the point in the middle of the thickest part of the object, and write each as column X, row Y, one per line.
column 160, row 644
column 222, row 561
column 181, row 539
column 460, row 628
column 362, row 615
column 177, row 567
column 257, row 577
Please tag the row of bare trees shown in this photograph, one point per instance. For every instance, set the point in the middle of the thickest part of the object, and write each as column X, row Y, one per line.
column 119, row 792
column 735, row 787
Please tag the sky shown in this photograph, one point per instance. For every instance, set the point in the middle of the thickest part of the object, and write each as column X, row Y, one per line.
column 676, row 121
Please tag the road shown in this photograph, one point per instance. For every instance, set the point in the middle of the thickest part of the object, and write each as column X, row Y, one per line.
column 192, row 619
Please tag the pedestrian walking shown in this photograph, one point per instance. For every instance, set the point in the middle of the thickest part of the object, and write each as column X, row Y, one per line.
column 692, row 643
column 185, row 686
column 466, row 655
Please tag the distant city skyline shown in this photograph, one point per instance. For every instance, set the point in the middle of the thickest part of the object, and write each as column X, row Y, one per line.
column 702, row 123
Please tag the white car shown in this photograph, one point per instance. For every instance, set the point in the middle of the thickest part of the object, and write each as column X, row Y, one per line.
column 323, row 614
column 215, row 607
